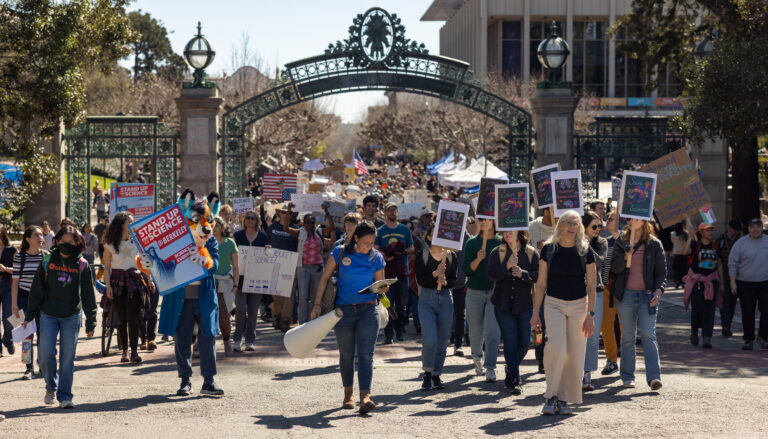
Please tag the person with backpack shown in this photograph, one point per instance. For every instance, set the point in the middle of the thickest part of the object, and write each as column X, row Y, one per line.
column 126, row 286
column 637, row 290
column 514, row 267
column 703, row 286
column 436, row 274
column 62, row 291
column 567, row 276
column 598, row 246
column 25, row 263
column 357, row 266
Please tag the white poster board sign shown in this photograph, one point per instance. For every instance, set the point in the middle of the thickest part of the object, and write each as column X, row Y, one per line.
column 267, row 270
column 566, row 192
column 407, row 210
column 307, row 202
column 638, row 192
column 416, row 196
column 451, row 225
column 136, row 198
column 242, row 205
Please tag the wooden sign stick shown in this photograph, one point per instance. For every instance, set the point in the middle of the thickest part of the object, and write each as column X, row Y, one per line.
column 485, row 235
column 442, row 261
column 631, row 242
column 552, row 215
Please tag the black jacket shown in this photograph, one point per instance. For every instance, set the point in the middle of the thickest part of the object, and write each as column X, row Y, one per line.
column 513, row 294
column 654, row 266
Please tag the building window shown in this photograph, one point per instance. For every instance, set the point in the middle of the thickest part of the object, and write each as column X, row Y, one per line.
column 540, row 31
column 630, row 74
column 590, row 54
column 511, row 49
column 669, row 82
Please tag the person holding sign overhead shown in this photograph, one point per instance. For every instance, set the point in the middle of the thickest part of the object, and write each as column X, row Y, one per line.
column 436, row 274
column 567, row 276
column 637, row 291
column 483, row 328
column 359, row 266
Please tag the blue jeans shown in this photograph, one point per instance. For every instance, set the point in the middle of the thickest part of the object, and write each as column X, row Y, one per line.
column 634, row 315
column 59, row 380
column 593, row 342
column 483, row 327
column 436, row 312
column 413, row 306
column 356, row 332
column 516, row 333
column 190, row 314
column 309, row 277
column 398, row 297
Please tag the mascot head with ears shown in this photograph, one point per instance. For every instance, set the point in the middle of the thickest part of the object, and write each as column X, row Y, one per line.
column 199, row 214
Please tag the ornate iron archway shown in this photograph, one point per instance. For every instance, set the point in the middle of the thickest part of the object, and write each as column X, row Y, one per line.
column 122, row 138
column 376, row 56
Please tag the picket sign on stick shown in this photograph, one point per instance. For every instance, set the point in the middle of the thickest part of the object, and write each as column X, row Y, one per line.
column 638, row 191
column 442, row 261
column 631, row 242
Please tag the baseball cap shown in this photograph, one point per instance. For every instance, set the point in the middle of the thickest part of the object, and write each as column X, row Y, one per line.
column 754, row 221
column 427, row 212
column 705, row 226
column 389, row 206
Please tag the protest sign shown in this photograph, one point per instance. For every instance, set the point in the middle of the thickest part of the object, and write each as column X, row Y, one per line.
column 307, row 202
column 679, row 190
column 391, row 170
column 279, row 186
column 541, row 182
column 350, row 175
column 485, row 203
column 615, row 188
column 338, row 173
column 407, row 210
column 512, row 207
column 242, row 205
column 337, row 209
column 566, row 192
column 708, row 215
column 395, row 199
column 267, row 270
column 638, row 189
column 167, row 240
column 416, row 196
column 451, row 225
column 136, row 198
column 314, row 188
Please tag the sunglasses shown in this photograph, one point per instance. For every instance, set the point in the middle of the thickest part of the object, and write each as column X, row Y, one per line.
column 596, row 226
column 250, row 217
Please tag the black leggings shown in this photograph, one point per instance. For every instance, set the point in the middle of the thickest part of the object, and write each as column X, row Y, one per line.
column 128, row 324
column 459, row 304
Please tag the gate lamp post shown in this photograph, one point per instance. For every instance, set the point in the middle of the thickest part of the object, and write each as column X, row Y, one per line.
column 199, row 55
column 552, row 53
column 705, row 47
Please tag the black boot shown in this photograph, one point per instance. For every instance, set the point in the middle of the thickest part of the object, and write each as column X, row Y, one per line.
column 437, row 383
column 427, row 384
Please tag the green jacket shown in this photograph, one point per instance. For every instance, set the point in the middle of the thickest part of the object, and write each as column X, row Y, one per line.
column 64, row 290
column 478, row 279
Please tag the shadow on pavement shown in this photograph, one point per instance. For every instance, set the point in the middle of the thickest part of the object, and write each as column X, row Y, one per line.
column 119, row 405
column 316, row 420
column 315, row 371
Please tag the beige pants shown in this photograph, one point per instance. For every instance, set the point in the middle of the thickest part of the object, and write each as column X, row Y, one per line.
column 565, row 348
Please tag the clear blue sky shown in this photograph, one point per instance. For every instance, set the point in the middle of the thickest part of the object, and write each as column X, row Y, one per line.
column 284, row 31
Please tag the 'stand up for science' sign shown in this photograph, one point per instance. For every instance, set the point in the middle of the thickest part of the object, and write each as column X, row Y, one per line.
column 166, row 239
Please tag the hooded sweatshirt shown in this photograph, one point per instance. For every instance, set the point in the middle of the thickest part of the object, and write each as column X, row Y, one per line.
column 63, row 291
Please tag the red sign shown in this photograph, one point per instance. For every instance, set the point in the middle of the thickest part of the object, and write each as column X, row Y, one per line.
column 164, row 230
column 146, row 190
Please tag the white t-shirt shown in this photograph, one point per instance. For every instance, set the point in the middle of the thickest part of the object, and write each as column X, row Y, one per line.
column 126, row 258
column 48, row 241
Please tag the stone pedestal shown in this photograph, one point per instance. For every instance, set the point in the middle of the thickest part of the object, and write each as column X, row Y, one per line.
column 50, row 206
column 713, row 160
column 553, row 119
column 199, row 114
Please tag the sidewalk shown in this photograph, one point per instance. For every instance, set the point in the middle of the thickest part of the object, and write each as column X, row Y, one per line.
column 707, row 393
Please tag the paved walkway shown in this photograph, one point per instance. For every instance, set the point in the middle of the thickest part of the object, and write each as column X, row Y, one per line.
column 721, row 392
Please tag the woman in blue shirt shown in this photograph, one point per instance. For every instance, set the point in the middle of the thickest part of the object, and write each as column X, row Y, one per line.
column 359, row 266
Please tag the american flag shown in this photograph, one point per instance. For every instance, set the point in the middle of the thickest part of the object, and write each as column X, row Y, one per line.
column 359, row 163
column 279, row 186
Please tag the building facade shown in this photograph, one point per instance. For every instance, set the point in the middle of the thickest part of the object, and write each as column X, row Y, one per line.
column 501, row 37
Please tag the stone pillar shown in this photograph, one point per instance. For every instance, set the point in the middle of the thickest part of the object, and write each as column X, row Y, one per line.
column 199, row 114
column 713, row 160
column 553, row 119
column 50, row 206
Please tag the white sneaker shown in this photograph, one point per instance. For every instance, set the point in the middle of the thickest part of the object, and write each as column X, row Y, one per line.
column 490, row 375
column 586, row 383
column 50, row 397
column 66, row 405
column 249, row 347
column 479, row 371
column 629, row 384
column 236, row 346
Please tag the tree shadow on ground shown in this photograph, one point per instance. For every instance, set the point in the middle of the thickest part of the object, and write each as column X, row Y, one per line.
column 313, row 421
column 304, row 373
column 119, row 405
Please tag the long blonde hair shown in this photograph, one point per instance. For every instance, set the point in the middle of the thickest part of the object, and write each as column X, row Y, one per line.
column 580, row 240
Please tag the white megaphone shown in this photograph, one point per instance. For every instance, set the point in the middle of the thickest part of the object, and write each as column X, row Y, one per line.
column 301, row 340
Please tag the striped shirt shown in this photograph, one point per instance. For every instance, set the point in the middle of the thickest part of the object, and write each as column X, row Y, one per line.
column 26, row 275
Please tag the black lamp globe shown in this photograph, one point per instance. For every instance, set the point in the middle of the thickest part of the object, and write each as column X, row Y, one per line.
column 703, row 48
column 199, row 55
column 553, row 52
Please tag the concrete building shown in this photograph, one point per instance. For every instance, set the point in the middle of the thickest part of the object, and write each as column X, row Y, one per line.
column 501, row 36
